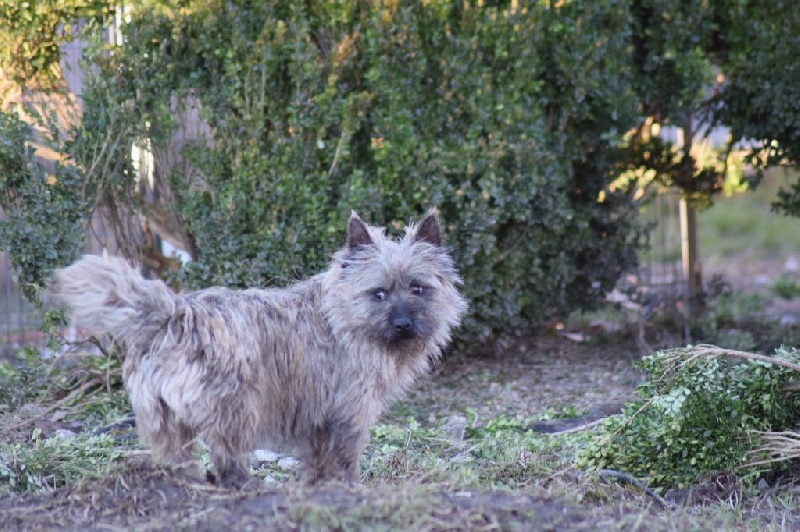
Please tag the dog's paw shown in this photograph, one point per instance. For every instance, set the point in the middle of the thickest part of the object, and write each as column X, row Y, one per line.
column 231, row 480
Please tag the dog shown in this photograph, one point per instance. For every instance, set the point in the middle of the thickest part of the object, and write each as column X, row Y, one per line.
column 305, row 369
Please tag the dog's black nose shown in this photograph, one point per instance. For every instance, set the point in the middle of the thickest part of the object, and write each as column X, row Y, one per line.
column 402, row 324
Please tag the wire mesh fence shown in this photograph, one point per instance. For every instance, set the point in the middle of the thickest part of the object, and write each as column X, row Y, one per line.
column 660, row 267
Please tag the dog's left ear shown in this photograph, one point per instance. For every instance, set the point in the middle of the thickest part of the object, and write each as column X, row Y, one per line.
column 357, row 233
column 428, row 229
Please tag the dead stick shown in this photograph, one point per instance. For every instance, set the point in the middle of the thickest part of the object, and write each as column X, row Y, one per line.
column 619, row 475
column 57, row 404
column 706, row 349
column 579, row 428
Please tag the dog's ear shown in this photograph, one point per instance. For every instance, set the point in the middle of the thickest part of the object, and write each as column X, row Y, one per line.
column 428, row 229
column 357, row 233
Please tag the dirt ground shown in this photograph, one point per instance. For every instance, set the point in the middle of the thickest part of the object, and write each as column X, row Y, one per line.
column 148, row 499
column 534, row 377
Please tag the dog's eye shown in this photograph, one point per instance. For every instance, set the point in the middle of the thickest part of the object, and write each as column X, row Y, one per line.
column 417, row 290
column 379, row 294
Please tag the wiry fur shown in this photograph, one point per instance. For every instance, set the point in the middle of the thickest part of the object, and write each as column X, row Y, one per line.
column 305, row 369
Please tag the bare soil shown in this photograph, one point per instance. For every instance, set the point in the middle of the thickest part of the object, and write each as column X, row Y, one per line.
column 532, row 378
column 146, row 498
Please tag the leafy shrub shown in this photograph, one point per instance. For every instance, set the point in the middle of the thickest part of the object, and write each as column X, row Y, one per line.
column 696, row 415
column 507, row 119
column 515, row 118
column 44, row 216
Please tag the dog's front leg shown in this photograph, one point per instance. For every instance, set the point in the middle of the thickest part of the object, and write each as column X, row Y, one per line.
column 336, row 453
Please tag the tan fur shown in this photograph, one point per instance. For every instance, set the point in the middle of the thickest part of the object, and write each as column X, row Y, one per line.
column 304, row 369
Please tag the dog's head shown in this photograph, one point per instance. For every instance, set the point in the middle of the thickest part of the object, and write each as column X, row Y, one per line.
column 399, row 294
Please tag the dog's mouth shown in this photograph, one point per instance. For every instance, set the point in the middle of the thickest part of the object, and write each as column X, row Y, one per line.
column 399, row 337
column 404, row 340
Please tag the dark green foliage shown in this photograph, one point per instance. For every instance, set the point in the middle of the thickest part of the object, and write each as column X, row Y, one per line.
column 758, row 53
column 515, row 119
column 32, row 32
column 695, row 416
column 44, row 216
column 759, row 100
column 509, row 121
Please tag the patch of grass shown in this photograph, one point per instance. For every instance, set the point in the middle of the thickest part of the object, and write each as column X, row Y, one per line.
column 504, row 452
column 566, row 412
column 785, row 288
column 744, row 225
column 418, row 473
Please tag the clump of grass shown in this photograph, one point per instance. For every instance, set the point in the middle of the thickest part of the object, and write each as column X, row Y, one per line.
column 21, row 379
column 502, row 452
column 785, row 288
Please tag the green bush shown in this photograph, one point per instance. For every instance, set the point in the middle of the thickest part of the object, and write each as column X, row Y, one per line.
column 44, row 216
column 509, row 120
column 527, row 123
column 785, row 288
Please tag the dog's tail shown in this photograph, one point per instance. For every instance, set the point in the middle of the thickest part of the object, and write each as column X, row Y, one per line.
column 105, row 294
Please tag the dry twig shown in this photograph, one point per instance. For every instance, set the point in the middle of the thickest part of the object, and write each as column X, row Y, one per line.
column 58, row 404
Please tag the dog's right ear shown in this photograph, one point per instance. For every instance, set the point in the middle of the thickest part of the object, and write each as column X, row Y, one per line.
column 428, row 229
column 357, row 233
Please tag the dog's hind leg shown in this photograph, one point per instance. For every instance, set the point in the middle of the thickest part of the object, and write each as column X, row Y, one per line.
column 171, row 441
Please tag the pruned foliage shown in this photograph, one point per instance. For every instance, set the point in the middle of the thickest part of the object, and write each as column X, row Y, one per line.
column 703, row 410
